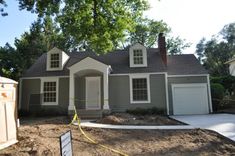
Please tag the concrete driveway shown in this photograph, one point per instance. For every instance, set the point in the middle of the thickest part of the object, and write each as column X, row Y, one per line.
column 221, row 123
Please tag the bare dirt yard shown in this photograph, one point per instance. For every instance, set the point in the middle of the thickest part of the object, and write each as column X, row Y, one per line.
column 39, row 137
column 129, row 119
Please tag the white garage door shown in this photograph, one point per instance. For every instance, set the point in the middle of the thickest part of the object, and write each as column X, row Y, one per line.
column 190, row 99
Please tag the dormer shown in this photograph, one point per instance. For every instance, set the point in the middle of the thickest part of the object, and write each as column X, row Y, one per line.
column 138, row 55
column 56, row 59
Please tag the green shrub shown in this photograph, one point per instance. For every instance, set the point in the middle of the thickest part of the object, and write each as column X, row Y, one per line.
column 146, row 111
column 217, row 91
column 228, row 82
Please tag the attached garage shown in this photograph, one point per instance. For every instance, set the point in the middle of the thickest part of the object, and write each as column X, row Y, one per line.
column 190, row 99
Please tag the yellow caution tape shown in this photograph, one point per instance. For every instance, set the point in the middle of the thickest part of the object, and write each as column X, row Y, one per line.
column 76, row 118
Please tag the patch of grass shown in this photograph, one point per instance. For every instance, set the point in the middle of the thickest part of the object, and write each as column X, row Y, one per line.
column 146, row 111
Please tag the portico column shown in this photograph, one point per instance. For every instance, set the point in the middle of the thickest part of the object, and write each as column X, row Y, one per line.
column 71, row 92
column 106, row 89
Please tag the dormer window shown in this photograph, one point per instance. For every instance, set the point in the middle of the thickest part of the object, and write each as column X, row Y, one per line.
column 55, row 60
column 138, row 56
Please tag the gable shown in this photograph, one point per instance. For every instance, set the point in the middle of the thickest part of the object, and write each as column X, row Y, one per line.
column 88, row 63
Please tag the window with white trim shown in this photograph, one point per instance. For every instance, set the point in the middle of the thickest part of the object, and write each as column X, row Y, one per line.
column 140, row 89
column 55, row 60
column 138, row 56
column 49, row 92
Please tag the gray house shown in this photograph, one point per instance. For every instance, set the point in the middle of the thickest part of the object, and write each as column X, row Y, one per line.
column 137, row 77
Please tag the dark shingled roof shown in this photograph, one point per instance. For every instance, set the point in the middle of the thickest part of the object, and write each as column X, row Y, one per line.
column 119, row 62
column 186, row 64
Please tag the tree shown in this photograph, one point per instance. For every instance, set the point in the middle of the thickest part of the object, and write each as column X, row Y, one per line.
column 146, row 32
column 175, row 45
column 7, row 65
column 42, row 36
column 2, row 6
column 200, row 49
column 95, row 24
column 217, row 53
column 228, row 33
column 218, row 50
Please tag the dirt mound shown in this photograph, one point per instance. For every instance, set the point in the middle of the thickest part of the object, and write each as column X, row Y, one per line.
column 128, row 119
column 111, row 119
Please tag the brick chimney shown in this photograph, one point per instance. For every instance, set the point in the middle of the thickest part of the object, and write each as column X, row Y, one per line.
column 162, row 47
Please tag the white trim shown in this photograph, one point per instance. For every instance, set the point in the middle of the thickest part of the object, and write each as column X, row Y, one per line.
column 209, row 93
column 230, row 61
column 87, row 64
column 187, row 75
column 63, row 58
column 25, row 78
column 133, row 76
column 128, row 74
column 167, row 95
column 50, row 79
column 187, row 85
column 131, row 55
column 99, row 78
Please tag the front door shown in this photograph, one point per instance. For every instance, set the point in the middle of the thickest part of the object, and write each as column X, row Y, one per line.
column 93, row 95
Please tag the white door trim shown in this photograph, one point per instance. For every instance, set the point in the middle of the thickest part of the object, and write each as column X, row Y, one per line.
column 188, row 85
column 99, row 96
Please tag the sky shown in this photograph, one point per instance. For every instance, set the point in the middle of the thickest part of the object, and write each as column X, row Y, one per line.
column 189, row 19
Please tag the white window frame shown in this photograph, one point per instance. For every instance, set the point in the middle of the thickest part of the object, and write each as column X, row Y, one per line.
column 63, row 58
column 49, row 61
column 137, row 46
column 138, row 57
column 134, row 76
column 50, row 79
column 55, row 60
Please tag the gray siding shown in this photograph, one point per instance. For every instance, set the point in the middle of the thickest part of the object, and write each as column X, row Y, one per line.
column 63, row 95
column 119, row 93
column 31, row 97
column 30, row 94
column 182, row 80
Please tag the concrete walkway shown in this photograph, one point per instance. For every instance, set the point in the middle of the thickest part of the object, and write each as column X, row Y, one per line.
column 221, row 123
column 85, row 123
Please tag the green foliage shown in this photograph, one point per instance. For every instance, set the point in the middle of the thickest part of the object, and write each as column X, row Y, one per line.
column 2, row 6
column 94, row 24
column 175, row 45
column 146, row 111
column 43, row 36
column 200, row 49
column 217, row 91
column 7, row 66
column 228, row 82
column 146, row 32
column 218, row 50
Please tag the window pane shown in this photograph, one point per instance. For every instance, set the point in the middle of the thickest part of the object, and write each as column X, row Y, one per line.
column 49, row 92
column 138, row 56
column 139, row 87
column 55, row 60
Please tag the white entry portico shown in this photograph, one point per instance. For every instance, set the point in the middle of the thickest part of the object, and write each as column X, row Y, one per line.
column 87, row 64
